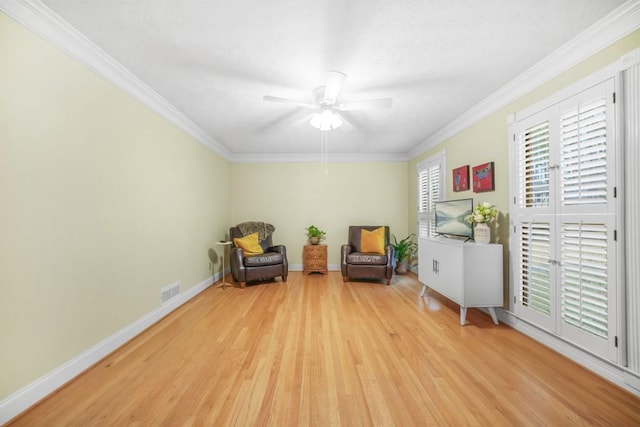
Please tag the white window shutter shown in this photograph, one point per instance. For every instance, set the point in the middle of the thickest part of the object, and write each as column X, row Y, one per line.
column 423, row 193
column 584, row 277
column 564, row 219
column 535, row 272
column 533, row 166
column 430, row 183
column 434, row 196
column 583, row 154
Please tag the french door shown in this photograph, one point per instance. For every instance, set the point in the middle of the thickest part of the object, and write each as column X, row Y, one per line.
column 563, row 232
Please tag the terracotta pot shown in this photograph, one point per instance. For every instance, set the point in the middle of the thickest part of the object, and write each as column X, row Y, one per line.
column 401, row 267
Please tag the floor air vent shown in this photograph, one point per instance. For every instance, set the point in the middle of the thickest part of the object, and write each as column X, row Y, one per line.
column 169, row 292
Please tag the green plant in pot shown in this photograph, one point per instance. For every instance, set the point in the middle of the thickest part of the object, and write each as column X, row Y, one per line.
column 403, row 250
column 315, row 234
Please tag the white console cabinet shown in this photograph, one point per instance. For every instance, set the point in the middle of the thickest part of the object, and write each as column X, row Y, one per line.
column 468, row 273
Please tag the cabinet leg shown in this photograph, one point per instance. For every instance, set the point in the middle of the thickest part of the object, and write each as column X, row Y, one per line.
column 463, row 315
column 424, row 290
column 492, row 312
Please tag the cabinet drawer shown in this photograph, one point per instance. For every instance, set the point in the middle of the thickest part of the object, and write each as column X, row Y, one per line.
column 314, row 252
column 315, row 265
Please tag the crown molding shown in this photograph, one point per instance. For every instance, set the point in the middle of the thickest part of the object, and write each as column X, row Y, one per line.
column 34, row 15
column 316, row 158
column 617, row 24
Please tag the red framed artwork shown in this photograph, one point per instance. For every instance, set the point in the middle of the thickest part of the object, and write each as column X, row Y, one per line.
column 461, row 178
column 483, row 177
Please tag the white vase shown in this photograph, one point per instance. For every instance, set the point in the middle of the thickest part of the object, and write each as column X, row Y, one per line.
column 482, row 233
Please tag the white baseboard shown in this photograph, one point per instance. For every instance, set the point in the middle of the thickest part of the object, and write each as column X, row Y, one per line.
column 299, row 267
column 18, row 402
column 616, row 374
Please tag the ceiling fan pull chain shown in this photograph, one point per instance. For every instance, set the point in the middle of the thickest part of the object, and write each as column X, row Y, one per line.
column 326, row 155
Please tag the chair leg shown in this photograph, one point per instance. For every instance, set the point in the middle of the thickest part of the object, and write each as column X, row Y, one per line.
column 388, row 282
column 345, row 279
column 243, row 284
column 284, row 279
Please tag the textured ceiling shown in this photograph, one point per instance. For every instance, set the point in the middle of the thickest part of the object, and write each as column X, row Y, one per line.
column 214, row 60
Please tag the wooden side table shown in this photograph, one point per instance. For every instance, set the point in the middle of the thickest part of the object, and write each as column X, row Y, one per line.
column 314, row 259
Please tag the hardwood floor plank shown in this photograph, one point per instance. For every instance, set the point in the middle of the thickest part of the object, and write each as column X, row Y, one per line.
column 317, row 351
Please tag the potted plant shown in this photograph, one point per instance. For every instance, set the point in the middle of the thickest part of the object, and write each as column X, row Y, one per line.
column 403, row 250
column 315, row 234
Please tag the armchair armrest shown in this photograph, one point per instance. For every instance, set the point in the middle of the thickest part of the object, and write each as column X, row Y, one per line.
column 389, row 252
column 282, row 250
column 344, row 251
column 237, row 266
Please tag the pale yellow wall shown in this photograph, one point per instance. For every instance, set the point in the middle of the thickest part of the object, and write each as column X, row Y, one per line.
column 102, row 203
column 293, row 196
column 487, row 141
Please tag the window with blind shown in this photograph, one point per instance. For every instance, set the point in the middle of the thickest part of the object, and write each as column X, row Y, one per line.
column 563, row 218
column 430, row 190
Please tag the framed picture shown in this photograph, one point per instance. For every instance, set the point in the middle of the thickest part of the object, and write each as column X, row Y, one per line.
column 483, row 177
column 461, row 178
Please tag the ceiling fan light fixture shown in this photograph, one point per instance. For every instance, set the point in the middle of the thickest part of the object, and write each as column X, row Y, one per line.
column 326, row 120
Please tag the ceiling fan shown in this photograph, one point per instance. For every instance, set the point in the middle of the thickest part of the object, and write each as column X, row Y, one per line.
column 328, row 111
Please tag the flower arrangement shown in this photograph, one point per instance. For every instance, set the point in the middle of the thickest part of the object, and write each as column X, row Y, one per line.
column 484, row 212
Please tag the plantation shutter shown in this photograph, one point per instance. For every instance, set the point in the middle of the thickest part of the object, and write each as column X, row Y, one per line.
column 584, row 277
column 583, row 154
column 430, row 182
column 564, row 219
column 533, row 166
column 423, row 193
column 434, row 195
column 535, row 271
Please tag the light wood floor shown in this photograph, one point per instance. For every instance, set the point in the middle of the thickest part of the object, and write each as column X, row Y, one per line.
column 315, row 351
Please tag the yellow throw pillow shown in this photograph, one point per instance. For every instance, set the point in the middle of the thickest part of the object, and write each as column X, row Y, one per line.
column 249, row 244
column 372, row 241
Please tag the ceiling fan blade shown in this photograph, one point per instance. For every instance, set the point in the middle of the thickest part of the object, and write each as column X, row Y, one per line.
column 335, row 81
column 291, row 116
column 369, row 104
column 346, row 126
column 289, row 101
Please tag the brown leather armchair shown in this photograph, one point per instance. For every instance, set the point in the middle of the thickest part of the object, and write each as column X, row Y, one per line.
column 356, row 264
column 270, row 264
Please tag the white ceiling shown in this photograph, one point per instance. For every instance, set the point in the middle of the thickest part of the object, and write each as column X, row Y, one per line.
column 214, row 60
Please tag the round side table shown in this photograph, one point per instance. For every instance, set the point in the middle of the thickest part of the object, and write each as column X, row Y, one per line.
column 224, row 245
